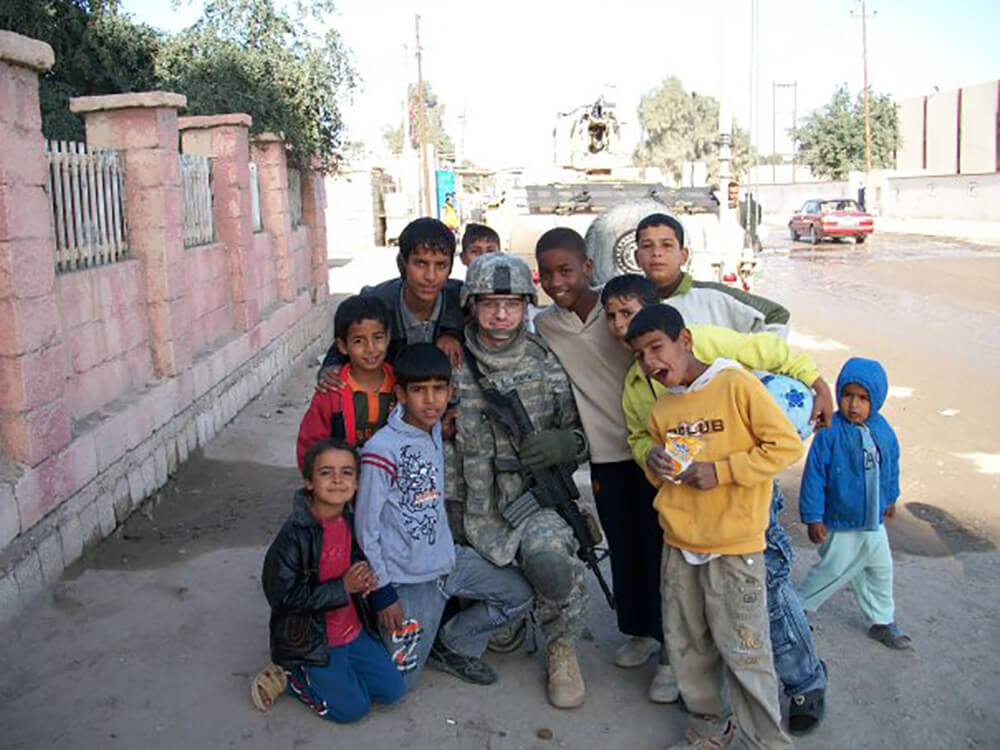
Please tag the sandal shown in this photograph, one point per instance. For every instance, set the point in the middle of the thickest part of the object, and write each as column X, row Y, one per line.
column 890, row 635
column 267, row 686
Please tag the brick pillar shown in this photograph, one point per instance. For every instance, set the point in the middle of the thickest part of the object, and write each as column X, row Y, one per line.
column 225, row 138
column 144, row 127
column 314, row 217
column 34, row 420
column 268, row 150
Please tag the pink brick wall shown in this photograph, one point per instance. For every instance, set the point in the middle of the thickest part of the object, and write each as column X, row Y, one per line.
column 208, row 291
column 106, row 330
column 267, row 283
column 300, row 254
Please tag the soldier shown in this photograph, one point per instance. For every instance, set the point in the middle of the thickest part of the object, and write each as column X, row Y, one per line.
column 489, row 485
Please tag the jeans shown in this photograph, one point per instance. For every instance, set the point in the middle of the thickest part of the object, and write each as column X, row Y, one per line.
column 501, row 596
column 799, row 669
column 357, row 674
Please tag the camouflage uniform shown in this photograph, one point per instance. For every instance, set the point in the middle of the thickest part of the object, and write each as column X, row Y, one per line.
column 529, row 367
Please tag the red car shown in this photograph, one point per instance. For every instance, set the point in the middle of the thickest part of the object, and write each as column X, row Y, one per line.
column 831, row 218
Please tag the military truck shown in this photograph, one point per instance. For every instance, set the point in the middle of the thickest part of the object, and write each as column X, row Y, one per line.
column 593, row 189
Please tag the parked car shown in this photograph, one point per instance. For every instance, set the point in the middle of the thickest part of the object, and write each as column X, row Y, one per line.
column 841, row 217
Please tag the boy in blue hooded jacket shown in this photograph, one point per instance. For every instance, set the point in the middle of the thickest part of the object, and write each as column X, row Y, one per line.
column 849, row 486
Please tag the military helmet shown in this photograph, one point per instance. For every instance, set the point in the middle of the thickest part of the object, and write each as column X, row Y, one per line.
column 498, row 273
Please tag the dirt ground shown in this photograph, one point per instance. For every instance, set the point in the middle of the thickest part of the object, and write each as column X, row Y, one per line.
column 151, row 641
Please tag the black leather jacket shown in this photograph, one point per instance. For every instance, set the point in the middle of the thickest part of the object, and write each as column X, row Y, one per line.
column 451, row 320
column 298, row 600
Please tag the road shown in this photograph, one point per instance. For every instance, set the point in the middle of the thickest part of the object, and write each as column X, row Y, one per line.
column 928, row 309
column 151, row 641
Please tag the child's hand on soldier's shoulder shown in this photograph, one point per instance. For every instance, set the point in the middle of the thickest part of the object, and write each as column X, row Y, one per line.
column 700, row 475
column 328, row 381
column 359, row 579
column 817, row 532
column 451, row 346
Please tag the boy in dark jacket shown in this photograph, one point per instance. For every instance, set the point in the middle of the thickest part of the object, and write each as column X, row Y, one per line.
column 423, row 302
column 316, row 581
column 850, row 484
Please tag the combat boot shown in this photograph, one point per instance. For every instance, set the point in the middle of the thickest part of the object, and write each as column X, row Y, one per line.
column 566, row 688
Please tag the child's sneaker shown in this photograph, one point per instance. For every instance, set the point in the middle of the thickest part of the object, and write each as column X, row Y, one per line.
column 663, row 688
column 695, row 741
column 890, row 635
column 636, row 651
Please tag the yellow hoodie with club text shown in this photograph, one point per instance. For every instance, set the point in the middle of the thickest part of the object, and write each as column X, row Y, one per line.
column 748, row 439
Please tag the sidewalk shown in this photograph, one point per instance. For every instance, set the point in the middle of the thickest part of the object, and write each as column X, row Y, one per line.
column 152, row 641
column 980, row 232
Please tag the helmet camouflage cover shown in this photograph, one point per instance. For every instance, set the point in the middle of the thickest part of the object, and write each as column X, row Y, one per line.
column 498, row 273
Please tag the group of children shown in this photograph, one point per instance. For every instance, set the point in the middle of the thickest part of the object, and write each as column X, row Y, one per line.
column 358, row 590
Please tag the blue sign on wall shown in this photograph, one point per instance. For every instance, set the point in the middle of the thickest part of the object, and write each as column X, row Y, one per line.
column 447, row 209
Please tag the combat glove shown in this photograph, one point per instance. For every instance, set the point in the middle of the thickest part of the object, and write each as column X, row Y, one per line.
column 549, row 448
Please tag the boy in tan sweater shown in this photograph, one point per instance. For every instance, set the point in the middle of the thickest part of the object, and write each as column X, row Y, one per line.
column 714, row 513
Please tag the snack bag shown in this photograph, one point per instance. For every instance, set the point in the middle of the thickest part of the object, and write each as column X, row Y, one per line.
column 681, row 450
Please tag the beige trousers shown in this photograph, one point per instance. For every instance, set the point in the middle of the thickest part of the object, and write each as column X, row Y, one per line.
column 713, row 615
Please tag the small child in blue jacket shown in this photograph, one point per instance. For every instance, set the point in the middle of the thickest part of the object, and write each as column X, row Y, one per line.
column 850, row 484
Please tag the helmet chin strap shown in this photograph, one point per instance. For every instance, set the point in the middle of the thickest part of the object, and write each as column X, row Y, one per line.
column 499, row 339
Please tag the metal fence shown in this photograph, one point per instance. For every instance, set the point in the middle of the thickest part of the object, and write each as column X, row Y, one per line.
column 255, row 197
column 86, row 205
column 295, row 196
column 196, row 190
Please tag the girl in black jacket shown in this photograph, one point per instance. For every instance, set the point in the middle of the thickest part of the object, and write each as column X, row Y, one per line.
column 317, row 582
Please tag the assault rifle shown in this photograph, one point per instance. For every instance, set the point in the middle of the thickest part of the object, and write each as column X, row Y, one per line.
column 553, row 486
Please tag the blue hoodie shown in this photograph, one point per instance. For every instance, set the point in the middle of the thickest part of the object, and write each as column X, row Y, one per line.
column 833, row 483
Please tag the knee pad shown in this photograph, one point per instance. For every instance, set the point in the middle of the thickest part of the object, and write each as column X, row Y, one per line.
column 549, row 573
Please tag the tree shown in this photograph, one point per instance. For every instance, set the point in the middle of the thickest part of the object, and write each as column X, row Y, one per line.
column 831, row 141
column 679, row 127
column 98, row 50
column 393, row 138
column 256, row 57
column 433, row 116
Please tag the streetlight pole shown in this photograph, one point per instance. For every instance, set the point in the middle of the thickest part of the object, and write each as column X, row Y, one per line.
column 868, row 119
column 423, row 124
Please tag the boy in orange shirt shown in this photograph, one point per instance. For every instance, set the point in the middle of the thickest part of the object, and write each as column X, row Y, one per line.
column 355, row 410
column 714, row 512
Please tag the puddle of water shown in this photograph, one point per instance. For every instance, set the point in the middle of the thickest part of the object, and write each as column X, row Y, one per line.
column 805, row 341
column 900, row 391
column 986, row 463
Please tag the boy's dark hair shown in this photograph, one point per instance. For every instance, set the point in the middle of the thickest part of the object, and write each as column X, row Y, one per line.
column 630, row 285
column 355, row 309
column 561, row 238
column 322, row 446
column 474, row 232
column 655, row 318
column 419, row 363
column 662, row 220
column 428, row 233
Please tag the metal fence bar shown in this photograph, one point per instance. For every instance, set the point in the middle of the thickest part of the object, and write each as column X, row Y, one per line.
column 255, row 197
column 85, row 205
column 196, row 188
column 295, row 196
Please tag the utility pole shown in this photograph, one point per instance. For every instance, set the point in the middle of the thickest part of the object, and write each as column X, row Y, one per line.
column 864, row 60
column 775, row 85
column 423, row 124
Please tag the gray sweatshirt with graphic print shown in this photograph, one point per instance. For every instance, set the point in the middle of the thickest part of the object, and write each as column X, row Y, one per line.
column 400, row 517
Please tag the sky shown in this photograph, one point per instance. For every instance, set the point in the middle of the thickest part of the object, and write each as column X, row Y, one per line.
column 505, row 69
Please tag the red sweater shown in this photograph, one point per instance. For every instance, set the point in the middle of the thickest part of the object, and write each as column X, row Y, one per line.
column 352, row 413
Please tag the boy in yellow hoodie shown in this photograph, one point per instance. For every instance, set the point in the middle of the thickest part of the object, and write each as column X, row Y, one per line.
column 714, row 513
